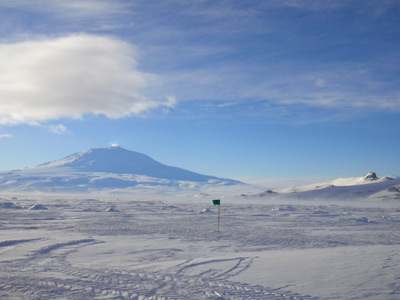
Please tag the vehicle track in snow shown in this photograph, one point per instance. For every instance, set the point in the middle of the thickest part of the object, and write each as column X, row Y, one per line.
column 89, row 284
column 47, row 274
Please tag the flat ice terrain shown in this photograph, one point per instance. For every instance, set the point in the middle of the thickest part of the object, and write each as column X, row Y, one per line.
column 160, row 248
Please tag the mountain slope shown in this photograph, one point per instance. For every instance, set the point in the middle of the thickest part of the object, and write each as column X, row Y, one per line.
column 103, row 168
column 121, row 161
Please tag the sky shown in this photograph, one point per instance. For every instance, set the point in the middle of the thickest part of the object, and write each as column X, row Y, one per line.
column 261, row 91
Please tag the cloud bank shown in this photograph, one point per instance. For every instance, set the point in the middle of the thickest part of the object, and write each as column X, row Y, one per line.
column 71, row 76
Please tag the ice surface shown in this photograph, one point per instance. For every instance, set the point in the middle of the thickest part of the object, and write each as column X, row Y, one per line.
column 158, row 246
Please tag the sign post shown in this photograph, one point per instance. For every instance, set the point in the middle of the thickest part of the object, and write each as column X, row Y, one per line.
column 218, row 202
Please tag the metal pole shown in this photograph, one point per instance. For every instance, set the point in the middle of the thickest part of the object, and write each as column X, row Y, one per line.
column 219, row 215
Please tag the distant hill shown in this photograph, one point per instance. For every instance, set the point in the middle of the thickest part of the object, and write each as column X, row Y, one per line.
column 103, row 168
column 367, row 186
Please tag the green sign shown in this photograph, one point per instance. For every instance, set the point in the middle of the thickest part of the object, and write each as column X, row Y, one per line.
column 217, row 202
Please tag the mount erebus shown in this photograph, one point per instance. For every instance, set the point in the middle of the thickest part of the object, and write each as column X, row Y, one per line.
column 103, row 169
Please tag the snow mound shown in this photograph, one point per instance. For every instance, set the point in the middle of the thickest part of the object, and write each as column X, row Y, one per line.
column 38, row 207
column 201, row 195
column 8, row 205
column 205, row 211
column 166, row 206
column 112, row 209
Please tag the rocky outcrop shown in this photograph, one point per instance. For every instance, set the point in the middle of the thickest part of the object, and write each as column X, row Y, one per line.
column 370, row 176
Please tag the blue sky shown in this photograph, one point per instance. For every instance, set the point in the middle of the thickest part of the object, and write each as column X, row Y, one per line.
column 256, row 90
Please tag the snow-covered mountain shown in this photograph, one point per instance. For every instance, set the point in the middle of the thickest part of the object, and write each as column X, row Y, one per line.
column 103, row 168
column 367, row 186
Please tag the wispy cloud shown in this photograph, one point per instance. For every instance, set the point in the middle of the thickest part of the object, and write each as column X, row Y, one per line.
column 5, row 135
column 75, row 8
column 285, row 52
column 318, row 5
column 55, row 17
column 59, row 129
column 344, row 86
column 47, row 79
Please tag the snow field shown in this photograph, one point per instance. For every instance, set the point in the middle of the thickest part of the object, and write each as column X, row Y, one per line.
column 160, row 248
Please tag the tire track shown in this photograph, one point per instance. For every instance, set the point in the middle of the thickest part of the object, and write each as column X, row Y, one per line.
column 99, row 284
column 14, row 242
column 48, row 249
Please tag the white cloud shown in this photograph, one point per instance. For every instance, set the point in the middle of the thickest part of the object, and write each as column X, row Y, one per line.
column 58, row 129
column 5, row 135
column 71, row 76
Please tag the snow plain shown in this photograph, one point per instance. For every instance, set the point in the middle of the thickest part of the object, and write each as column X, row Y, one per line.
column 152, row 246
